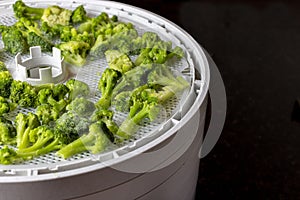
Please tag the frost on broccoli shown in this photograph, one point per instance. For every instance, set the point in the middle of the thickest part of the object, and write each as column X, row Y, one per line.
column 77, row 88
column 81, row 106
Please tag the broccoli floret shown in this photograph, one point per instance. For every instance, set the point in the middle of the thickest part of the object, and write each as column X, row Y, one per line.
column 100, row 114
column 22, row 10
column 9, row 156
column 4, row 106
column 23, row 94
column 54, row 15
column 74, row 52
column 94, row 141
column 35, row 40
column 118, row 61
column 46, row 113
column 5, row 83
column 106, row 85
column 79, row 15
column 152, row 49
column 2, row 67
column 143, row 106
column 77, row 89
column 49, row 32
column 7, row 133
column 117, row 38
column 60, row 91
column 170, row 85
column 54, row 95
column 129, row 81
column 99, row 24
column 13, row 39
column 25, row 123
column 81, row 106
column 71, row 124
column 42, row 140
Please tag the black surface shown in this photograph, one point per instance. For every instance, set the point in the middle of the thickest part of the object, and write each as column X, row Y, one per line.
column 256, row 47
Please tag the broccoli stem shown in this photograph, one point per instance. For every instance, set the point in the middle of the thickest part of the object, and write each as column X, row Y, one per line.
column 76, row 146
column 39, row 149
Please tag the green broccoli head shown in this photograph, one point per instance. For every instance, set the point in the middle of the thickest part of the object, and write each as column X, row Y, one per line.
column 60, row 91
column 143, row 106
column 13, row 39
column 22, row 10
column 2, row 66
column 106, row 85
column 4, row 106
column 9, row 156
column 5, row 83
column 79, row 15
column 46, row 113
column 7, row 133
column 74, row 52
column 81, row 106
column 118, row 61
column 25, row 123
column 77, row 88
column 70, row 125
column 35, row 40
column 162, row 77
column 94, row 141
column 23, row 94
column 54, row 15
column 100, row 114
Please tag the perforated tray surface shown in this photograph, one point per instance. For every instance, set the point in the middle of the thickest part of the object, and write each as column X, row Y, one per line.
column 175, row 110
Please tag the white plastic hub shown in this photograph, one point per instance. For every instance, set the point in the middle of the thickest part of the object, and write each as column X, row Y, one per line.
column 38, row 69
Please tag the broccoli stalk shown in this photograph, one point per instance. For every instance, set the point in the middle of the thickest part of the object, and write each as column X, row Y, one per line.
column 24, row 124
column 130, row 80
column 94, row 141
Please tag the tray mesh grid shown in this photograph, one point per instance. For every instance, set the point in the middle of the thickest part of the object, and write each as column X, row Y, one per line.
column 90, row 74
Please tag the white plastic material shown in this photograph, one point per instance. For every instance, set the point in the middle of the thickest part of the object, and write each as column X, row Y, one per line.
column 38, row 69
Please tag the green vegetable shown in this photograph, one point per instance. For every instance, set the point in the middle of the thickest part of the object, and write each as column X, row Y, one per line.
column 7, row 133
column 42, row 140
column 23, row 94
column 24, row 124
column 79, row 15
column 4, row 106
column 22, row 10
column 143, row 106
column 74, row 52
column 81, row 106
column 77, row 89
column 9, row 156
column 46, row 113
column 13, row 40
column 94, row 141
column 71, row 124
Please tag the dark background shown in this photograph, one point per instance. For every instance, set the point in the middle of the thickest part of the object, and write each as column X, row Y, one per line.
column 256, row 46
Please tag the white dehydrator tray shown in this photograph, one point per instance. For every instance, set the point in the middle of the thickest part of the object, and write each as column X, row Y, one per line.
column 160, row 162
